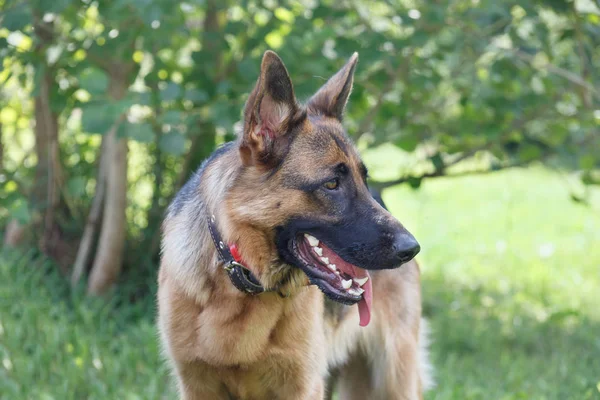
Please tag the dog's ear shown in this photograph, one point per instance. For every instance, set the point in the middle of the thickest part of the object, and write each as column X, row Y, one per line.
column 269, row 115
column 331, row 99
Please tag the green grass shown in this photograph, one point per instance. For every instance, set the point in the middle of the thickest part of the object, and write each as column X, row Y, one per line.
column 57, row 345
column 511, row 282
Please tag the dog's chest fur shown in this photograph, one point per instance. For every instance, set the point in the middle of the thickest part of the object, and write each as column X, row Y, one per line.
column 342, row 332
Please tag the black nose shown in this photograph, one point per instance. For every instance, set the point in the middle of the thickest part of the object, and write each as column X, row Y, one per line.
column 405, row 247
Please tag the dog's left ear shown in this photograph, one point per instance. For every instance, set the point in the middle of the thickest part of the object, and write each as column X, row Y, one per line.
column 270, row 113
column 331, row 99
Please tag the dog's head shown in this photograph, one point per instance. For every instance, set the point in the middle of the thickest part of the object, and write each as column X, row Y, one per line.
column 304, row 187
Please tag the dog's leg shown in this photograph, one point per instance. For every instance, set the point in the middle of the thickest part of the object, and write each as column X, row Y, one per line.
column 194, row 392
column 314, row 389
column 389, row 372
column 318, row 392
column 395, row 370
column 354, row 380
column 199, row 381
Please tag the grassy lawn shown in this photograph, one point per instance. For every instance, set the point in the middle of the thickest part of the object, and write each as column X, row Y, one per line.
column 56, row 345
column 511, row 280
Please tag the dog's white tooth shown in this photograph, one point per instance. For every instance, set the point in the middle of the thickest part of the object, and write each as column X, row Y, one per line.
column 337, row 273
column 361, row 281
column 356, row 291
column 325, row 260
column 313, row 241
column 318, row 250
column 332, row 267
column 346, row 284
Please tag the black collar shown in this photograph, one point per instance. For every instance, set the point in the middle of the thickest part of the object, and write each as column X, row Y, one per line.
column 241, row 277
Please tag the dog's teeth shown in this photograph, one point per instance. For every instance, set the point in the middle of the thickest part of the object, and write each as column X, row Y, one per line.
column 325, row 260
column 356, row 291
column 337, row 273
column 332, row 267
column 361, row 281
column 318, row 250
column 313, row 241
column 346, row 283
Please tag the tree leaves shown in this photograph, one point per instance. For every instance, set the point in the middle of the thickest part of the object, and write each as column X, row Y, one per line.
column 76, row 186
column 100, row 116
column 173, row 143
column 172, row 117
column 196, row 95
column 140, row 132
column 17, row 17
column 414, row 182
column 434, row 79
column 54, row 6
column 171, row 92
column 19, row 210
column 94, row 80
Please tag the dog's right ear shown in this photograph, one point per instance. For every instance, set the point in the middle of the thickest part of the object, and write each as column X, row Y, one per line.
column 270, row 112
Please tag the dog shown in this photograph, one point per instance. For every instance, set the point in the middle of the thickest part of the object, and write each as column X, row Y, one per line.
column 279, row 272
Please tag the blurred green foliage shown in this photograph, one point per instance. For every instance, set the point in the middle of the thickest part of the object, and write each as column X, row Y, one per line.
column 442, row 80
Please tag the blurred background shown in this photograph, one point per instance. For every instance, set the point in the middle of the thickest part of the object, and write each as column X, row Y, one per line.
column 479, row 121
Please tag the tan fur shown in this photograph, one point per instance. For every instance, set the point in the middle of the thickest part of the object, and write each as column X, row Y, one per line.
column 224, row 344
column 383, row 359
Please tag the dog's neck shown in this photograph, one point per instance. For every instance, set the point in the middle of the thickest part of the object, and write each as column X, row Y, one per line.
column 195, row 252
column 259, row 254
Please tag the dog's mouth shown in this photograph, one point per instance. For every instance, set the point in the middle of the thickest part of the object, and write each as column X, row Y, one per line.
column 338, row 279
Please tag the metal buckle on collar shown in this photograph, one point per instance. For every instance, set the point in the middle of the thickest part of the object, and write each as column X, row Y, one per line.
column 241, row 277
column 232, row 264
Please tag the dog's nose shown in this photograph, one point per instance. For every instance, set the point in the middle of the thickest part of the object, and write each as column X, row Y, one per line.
column 405, row 247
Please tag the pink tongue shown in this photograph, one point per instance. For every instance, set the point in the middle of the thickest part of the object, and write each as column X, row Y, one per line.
column 364, row 305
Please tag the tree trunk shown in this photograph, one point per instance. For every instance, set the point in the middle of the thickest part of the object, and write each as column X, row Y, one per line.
column 48, row 172
column 45, row 198
column 155, row 213
column 14, row 234
column 46, row 121
column 109, row 255
column 93, row 221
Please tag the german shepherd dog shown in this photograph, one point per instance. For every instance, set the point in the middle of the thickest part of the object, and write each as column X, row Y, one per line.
column 267, row 225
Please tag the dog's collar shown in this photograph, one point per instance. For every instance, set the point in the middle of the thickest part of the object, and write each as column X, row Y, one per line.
column 241, row 277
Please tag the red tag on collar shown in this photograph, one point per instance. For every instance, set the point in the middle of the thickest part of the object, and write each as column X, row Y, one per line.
column 235, row 253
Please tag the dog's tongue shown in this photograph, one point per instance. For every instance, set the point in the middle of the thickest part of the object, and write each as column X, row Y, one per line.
column 364, row 305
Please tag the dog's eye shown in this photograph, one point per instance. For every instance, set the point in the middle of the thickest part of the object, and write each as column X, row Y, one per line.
column 332, row 184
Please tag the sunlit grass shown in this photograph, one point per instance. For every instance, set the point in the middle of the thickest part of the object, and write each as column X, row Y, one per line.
column 511, row 281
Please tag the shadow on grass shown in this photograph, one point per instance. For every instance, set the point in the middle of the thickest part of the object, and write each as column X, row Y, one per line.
column 35, row 277
column 57, row 343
